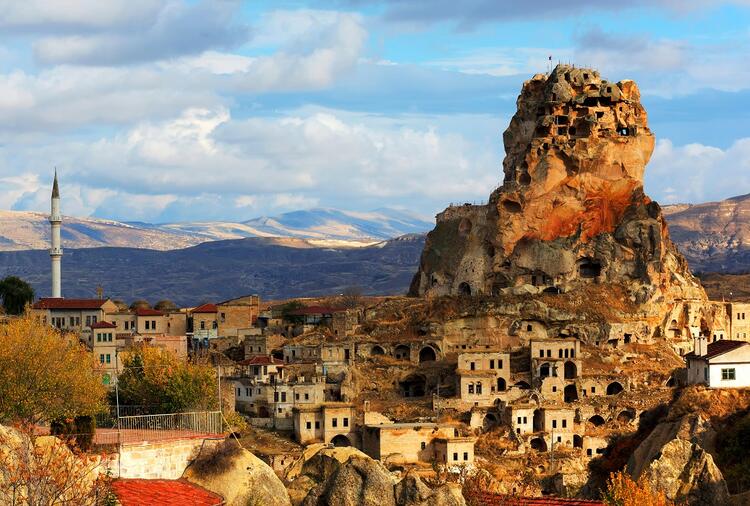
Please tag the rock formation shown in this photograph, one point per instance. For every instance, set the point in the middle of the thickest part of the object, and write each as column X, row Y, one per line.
column 237, row 475
column 571, row 210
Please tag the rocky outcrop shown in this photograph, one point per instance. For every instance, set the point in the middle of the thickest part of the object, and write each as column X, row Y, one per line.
column 571, row 210
column 674, row 459
column 237, row 475
column 348, row 477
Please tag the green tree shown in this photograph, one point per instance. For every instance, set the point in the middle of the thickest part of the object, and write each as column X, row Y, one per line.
column 15, row 293
column 288, row 309
column 157, row 378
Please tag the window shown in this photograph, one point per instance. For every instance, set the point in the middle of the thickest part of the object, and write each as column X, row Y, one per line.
column 549, row 353
column 203, row 325
column 247, row 392
column 223, row 317
column 346, row 422
column 560, row 353
column 88, row 321
column 564, row 423
column 275, row 397
column 423, row 445
column 308, row 425
column 296, row 397
column 573, row 353
column 728, row 374
column 153, row 324
column 492, row 364
column 98, row 337
column 529, row 328
column 471, row 388
column 101, row 358
column 554, row 424
column 307, row 397
column 335, row 422
column 72, row 321
column 525, row 420
column 566, row 353
column 479, row 388
column 471, row 366
column 317, row 425
column 593, row 390
column 500, row 364
column 279, row 410
column 455, row 457
column 283, row 396
column 519, row 420
column 554, row 389
column 239, row 392
column 559, row 439
column 466, row 455
column 541, row 353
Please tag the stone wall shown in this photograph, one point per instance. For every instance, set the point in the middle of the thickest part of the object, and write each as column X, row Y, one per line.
column 165, row 460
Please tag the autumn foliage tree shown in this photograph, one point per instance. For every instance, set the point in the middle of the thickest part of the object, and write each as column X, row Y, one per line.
column 622, row 490
column 45, row 375
column 157, row 378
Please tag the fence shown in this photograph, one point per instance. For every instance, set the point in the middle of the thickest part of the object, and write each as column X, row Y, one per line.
column 141, row 428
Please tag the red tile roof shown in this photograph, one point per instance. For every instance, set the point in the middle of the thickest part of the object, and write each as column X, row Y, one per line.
column 206, row 308
column 103, row 325
column 261, row 360
column 487, row 499
column 148, row 312
column 718, row 348
column 60, row 303
column 311, row 310
column 163, row 493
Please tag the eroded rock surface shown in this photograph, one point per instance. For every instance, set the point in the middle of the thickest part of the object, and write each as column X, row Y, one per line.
column 571, row 209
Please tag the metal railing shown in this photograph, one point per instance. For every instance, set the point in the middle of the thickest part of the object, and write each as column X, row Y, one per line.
column 146, row 428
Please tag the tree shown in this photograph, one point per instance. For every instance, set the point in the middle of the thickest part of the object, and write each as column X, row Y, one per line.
column 45, row 471
column 140, row 304
column 288, row 309
column 165, row 306
column 622, row 490
column 44, row 375
column 351, row 297
column 157, row 378
column 16, row 294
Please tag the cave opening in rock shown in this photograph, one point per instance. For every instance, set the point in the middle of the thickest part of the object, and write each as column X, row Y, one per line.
column 589, row 268
column 614, row 388
column 596, row 421
column 340, row 441
column 538, row 444
column 377, row 350
column 464, row 289
column 427, row 354
column 401, row 352
column 413, row 386
column 512, row 206
column 570, row 393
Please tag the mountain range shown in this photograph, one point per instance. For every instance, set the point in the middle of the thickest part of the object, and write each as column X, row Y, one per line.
column 23, row 230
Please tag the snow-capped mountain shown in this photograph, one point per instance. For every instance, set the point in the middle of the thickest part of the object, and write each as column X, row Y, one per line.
column 21, row 230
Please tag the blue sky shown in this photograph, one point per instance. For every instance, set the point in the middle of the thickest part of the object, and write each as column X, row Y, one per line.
column 175, row 110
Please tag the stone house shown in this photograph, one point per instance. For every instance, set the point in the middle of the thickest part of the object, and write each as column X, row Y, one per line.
column 723, row 364
column 330, row 422
column 236, row 314
column 204, row 319
column 262, row 369
column 555, row 357
column 410, row 443
column 558, row 423
column 255, row 342
column 520, row 417
column 74, row 315
column 455, row 452
column 103, row 344
column 739, row 317
column 483, row 376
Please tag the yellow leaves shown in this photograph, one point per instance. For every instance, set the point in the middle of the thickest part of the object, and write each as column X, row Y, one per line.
column 622, row 490
column 45, row 375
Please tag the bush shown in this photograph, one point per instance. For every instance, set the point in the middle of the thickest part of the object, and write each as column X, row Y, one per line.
column 81, row 430
column 622, row 490
column 217, row 460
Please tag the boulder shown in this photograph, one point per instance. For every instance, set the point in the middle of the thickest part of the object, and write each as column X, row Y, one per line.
column 237, row 475
column 687, row 474
column 411, row 491
column 360, row 481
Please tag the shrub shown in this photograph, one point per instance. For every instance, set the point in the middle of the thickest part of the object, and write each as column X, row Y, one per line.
column 622, row 490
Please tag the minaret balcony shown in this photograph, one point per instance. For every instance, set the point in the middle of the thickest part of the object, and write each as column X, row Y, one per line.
column 55, row 251
column 55, row 218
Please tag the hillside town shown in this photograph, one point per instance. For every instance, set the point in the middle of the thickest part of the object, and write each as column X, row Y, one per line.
column 544, row 344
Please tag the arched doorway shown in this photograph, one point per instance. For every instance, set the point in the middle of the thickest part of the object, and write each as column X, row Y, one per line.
column 545, row 370
column 427, row 354
column 402, row 352
column 377, row 350
column 626, row 416
column 464, row 289
column 538, row 444
column 596, row 421
column 537, row 424
column 577, row 441
column 570, row 393
column 413, row 386
column 501, row 385
column 571, row 371
column 340, row 440
column 614, row 388
column 489, row 422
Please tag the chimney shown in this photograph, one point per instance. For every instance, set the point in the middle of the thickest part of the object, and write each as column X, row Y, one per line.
column 700, row 346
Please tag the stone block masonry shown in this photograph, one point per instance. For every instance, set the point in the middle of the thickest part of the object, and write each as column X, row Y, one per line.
column 162, row 460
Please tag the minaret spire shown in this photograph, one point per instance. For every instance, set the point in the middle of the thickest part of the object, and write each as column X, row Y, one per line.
column 55, row 252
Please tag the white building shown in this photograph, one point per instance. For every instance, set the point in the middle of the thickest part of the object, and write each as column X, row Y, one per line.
column 722, row 364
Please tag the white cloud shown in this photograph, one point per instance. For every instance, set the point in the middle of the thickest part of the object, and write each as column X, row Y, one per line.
column 205, row 164
column 698, row 173
column 61, row 16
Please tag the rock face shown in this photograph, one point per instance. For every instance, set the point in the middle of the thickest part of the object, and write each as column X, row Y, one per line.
column 674, row 459
column 238, row 476
column 571, row 209
column 348, row 477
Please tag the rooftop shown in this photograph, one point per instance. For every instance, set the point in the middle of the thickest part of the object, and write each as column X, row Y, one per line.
column 261, row 360
column 62, row 303
column 717, row 348
column 103, row 325
column 205, row 308
column 148, row 312
column 163, row 492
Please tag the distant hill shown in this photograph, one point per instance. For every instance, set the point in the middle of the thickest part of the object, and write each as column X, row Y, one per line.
column 219, row 270
column 21, row 230
column 715, row 236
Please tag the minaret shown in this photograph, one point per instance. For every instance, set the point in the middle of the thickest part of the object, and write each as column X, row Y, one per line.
column 55, row 252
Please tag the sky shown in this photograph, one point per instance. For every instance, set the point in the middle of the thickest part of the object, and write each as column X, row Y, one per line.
column 189, row 110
